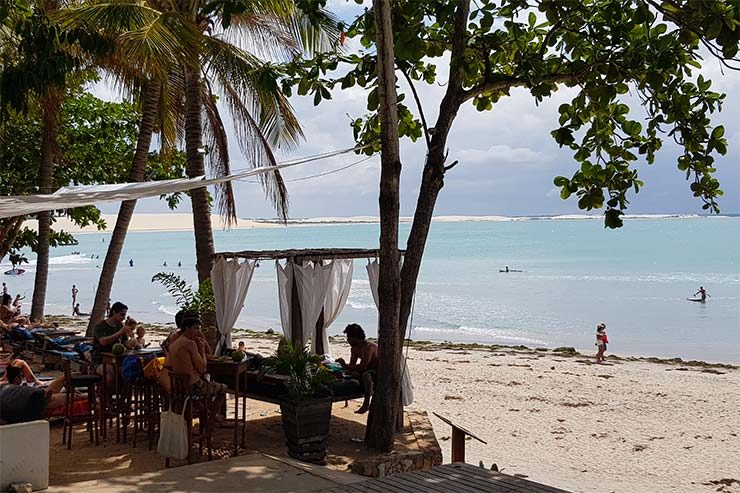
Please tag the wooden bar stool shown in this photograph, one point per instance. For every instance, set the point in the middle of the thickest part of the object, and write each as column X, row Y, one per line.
column 73, row 382
column 146, row 403
column 196, row 406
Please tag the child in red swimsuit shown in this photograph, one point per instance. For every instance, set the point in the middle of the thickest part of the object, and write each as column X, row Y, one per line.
column 601, row 341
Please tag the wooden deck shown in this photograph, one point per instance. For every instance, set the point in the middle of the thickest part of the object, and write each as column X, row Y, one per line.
column 448, row 478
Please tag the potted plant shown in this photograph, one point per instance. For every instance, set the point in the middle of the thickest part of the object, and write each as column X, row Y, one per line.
column 306, row 402
column 200, row 301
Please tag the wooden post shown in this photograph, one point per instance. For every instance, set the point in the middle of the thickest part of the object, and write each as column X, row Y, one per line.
column 320, row 349
column 296, row 321
column 458, row 439
column 458, row 445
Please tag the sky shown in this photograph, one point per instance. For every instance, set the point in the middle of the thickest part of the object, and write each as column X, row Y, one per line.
column 507, row 159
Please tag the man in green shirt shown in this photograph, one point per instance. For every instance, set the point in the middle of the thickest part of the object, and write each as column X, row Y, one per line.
column 110, row 332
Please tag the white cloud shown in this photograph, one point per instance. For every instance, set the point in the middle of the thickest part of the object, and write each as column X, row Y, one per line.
column 502, row 154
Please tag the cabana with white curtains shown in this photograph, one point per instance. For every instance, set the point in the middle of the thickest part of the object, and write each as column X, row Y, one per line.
column 313, row 286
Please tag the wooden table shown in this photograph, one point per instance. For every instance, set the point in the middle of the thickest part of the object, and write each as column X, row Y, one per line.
column 457, row 477
column 218, row 368
column 115, row 362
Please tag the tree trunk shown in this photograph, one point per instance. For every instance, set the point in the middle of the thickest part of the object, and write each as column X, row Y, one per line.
column 149, row 110
column 50, row 105
column 383, row 411
column 432, row 179
column 196, row 167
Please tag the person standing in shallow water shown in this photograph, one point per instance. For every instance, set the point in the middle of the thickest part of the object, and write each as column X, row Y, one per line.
column 601, row 340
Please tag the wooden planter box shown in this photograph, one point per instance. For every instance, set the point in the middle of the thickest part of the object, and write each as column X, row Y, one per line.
column 306, row 425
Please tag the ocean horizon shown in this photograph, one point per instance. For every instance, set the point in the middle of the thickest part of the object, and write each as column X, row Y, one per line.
column 575, row 274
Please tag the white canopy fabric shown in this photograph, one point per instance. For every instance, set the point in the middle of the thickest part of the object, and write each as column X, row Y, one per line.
column 230, row 281
column 320, row 286
column 78, row 196
column 285, row 287
column 407, row 390
column 337, row 292
column 312, row 280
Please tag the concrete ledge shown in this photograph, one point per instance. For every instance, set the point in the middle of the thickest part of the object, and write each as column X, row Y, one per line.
column 428, row 452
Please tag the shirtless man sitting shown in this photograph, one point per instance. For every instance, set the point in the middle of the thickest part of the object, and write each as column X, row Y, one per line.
column 367, row 354
column 187, row 355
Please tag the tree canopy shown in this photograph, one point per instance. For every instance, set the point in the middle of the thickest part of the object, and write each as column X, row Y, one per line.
column 619, row 55
column 96, row 142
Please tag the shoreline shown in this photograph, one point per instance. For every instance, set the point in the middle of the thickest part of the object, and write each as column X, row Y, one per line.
column 181, row 222
column 430, row 345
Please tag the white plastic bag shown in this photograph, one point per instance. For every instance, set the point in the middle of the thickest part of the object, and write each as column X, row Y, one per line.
column 173, row 434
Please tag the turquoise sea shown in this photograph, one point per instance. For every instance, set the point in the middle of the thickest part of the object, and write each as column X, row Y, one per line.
column 575, row 275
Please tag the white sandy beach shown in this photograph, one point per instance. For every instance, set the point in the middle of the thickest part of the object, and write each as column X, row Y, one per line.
column 154, row 222
column 627, row 425
column 624, row 426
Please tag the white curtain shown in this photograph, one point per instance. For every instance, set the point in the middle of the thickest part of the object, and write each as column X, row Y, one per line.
column 285, row 293
column 407, row 390
column 312, row 280
column 337, row 292
column 230, row 281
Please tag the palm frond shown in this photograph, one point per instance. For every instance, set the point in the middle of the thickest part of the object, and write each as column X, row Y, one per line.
column 257, row 150
column 148, row 39
column 256, row 82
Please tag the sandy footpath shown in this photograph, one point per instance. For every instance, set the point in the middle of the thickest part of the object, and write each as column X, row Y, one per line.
column 628, row 425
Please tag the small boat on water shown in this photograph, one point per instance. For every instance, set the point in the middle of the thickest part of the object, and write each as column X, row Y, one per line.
column 14, row 272
column 698, row 300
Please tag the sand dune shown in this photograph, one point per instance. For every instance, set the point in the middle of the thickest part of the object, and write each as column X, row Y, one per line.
column 155, row 222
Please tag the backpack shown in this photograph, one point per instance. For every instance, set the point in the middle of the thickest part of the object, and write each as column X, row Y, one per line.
column 131, row 368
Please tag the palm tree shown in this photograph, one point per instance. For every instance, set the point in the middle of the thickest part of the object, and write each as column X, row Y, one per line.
column 262, row 115
column 263, row 118
column 42, row 59
column 149, row 45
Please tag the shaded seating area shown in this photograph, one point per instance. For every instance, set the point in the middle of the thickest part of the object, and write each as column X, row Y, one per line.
column 313, row 286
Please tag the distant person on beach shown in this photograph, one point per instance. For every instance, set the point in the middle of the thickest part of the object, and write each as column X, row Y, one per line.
column 703, row 294
column 5, row 289
column 131, row 262
column 179, row 264
column 74, row 294
column 601, row 341
column 366, row 369
column 77, row 313
column 164, row 264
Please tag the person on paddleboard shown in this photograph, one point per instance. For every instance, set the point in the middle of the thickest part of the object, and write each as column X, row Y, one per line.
column 702, row 294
